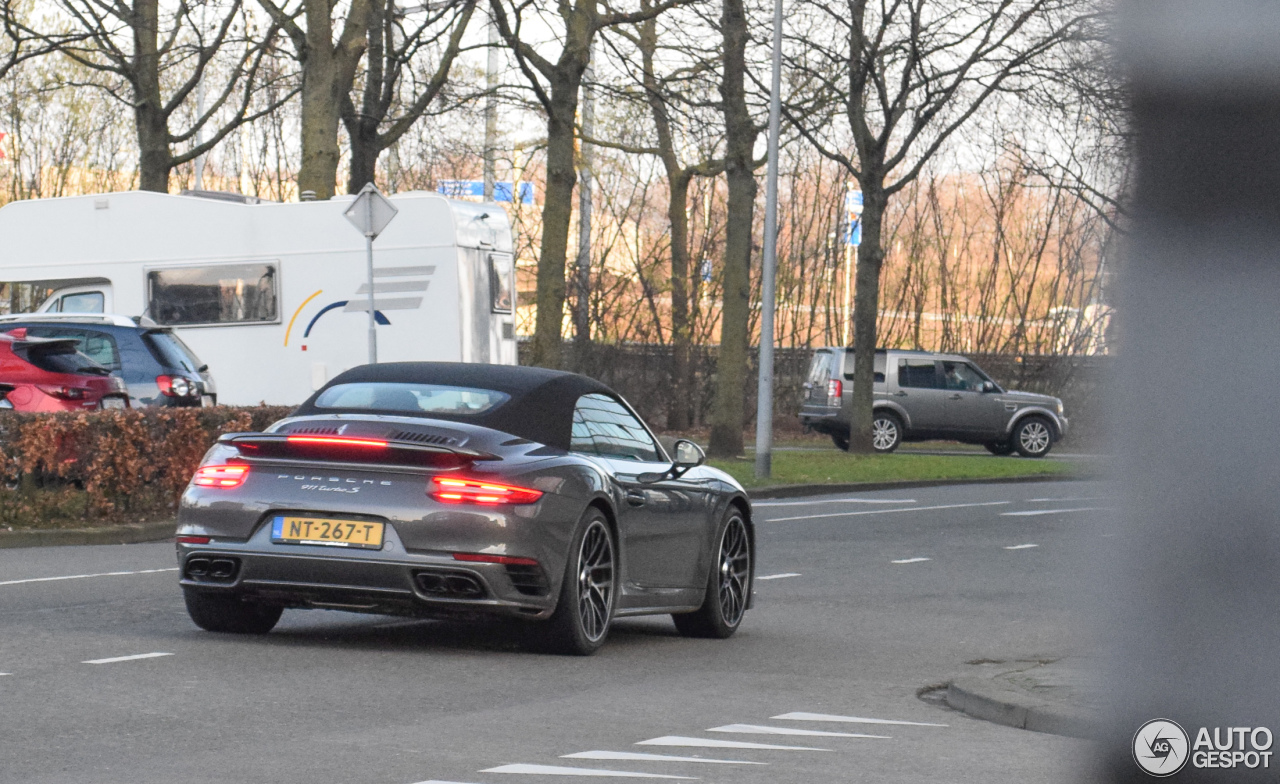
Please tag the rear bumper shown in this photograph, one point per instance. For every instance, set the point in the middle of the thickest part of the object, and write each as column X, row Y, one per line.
column 389, row 581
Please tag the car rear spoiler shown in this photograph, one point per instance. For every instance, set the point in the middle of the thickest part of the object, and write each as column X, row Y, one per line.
column 352, row 449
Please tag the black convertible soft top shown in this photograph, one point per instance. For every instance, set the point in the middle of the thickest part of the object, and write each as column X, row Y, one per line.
column 540, row 408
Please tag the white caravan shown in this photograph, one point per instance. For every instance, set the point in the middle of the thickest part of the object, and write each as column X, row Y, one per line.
column 274, row 297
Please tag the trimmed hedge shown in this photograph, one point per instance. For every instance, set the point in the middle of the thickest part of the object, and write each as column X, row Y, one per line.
column 72, row 469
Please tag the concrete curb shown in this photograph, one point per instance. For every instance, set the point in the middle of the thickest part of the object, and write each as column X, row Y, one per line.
column 801, row 491
column 990, row 700
column 131, row 533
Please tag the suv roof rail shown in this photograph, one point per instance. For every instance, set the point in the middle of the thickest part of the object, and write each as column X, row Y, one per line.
column 112, row 319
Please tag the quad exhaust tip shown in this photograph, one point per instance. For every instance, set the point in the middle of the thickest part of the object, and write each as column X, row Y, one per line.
column 211, row 570
column 450, row 585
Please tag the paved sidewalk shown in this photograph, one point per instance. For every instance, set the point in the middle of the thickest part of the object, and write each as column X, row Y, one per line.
column 1044, row 694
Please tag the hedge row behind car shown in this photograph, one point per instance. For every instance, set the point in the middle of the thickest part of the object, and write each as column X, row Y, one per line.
column 103, row 467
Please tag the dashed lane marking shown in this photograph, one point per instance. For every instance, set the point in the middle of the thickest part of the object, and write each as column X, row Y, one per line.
column 435, row 781
column 758, row 729
column 555, row 770
column 134, row 657
column 640, row 756
column 778, row 576
column 758, row 504
column 910, row 560
column 1075, row 500
column 802, row 716
column 715, row 743
column 1038, row 512
column 84, row 576
column 885, row 511
column 1021, row 546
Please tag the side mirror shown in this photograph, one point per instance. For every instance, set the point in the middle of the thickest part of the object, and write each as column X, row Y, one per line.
column 990, row 386
column 688, row 455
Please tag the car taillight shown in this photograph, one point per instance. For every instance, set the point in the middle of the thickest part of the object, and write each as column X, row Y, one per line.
column 66, row 393
column 176, row 386
column 220, row 475
column 508, row 560
column 194, row 539
column 835, row 388
column 474, row 491
column 336, row 441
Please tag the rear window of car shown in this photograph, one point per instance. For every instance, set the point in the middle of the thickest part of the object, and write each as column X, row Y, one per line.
column 62, row 359
column 405, row 398
column 100, row 346
column 820, row 367
column 170, row 351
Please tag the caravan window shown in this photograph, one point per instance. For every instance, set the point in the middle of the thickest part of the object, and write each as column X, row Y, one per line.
column 501, row 285
column 224, row 294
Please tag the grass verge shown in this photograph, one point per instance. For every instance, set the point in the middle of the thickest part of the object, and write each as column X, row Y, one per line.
column 802, row 468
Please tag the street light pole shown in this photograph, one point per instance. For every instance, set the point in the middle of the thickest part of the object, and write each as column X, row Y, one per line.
column 764, row 387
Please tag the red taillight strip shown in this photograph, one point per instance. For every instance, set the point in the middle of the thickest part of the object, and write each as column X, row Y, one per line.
column 508, row 560
column 220, row 475
column 461, row 491
column 194, row 539
column 333, row 441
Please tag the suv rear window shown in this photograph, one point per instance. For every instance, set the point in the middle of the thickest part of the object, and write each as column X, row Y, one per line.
column 820, row 368
column 99, row 346
column 62, row 358
column 170, row 351
column 917, row 373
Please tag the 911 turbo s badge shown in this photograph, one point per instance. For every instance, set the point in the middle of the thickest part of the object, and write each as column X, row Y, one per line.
column 326, row 484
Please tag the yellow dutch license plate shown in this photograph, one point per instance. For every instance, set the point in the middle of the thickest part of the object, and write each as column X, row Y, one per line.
column 321, row 530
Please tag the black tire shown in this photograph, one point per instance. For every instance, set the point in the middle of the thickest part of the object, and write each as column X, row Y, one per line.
column 728, row 584
column 999, row 448
column 216, row 612
column 1033, row 437
column 886, row 432
column 841, row 442
column 588, row 593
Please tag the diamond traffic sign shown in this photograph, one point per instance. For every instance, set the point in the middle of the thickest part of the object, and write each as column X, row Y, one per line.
column 371, row 211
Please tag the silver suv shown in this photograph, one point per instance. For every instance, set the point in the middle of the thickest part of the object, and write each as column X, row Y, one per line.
column 920, row 395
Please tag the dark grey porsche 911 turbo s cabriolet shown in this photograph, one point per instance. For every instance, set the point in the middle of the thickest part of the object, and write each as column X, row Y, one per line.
column 446, row 490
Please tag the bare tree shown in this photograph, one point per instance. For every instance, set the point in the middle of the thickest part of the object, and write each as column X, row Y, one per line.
column 328, row 73
column 23, row 42
column 394, row 48
column 889, row 84
column 154, row 59
column 555, row 84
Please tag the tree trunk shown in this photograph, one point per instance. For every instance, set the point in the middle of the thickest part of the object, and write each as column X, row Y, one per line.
column 678, row 413
column 557, row 208
column 155, row 160
column 362, row 126
column 727, row 418
column 866, row 306
column 327, row 74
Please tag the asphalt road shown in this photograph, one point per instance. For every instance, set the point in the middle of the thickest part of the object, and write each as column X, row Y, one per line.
column 859, row 626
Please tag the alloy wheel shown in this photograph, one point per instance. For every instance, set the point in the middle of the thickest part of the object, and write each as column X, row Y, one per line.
column 735, row 571
column 1034, row 437
column 595, row 581
column 884, row 433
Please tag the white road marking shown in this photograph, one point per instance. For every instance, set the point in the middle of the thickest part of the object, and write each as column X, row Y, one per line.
column 1021, row 546
column 5, row 673
column 435, row 781
column 884, row 511
column 134, row 657
column 757, row 729
column 709, row 743
column 554, row 770
column 636, row 755
column 910, row 560
column 1063, row 500
column 83, row 576
column 759, row 504
column 802, row 716
column 1038, row 512
column 778, row 576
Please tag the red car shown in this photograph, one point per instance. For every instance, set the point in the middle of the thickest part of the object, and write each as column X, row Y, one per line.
column 38, row 374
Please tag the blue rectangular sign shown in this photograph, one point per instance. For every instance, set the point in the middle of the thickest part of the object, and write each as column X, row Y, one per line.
column 474, row 189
